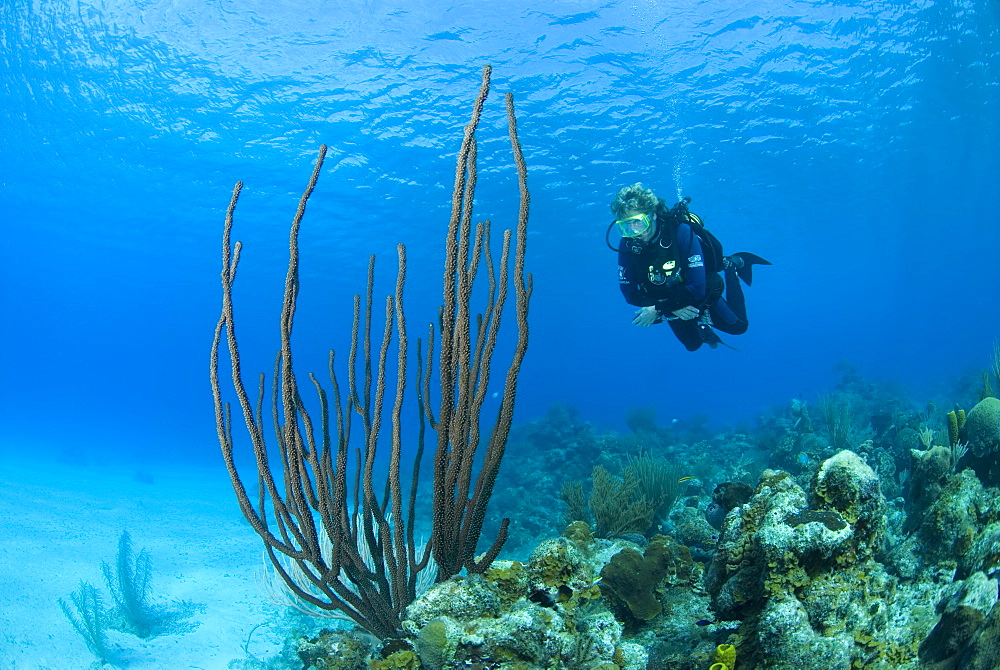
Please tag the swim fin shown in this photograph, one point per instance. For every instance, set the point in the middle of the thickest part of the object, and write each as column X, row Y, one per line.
column 745, row 268
column 711, row 338
column 726, row 345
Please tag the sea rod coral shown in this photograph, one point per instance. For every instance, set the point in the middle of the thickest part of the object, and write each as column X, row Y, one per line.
column 360, row 557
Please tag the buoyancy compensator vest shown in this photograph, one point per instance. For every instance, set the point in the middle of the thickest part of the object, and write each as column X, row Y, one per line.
column 711, row 247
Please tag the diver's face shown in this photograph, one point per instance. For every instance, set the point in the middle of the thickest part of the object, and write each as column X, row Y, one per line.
column 638, row 225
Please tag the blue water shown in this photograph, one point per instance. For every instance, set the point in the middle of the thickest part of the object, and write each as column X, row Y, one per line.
column 853, row 144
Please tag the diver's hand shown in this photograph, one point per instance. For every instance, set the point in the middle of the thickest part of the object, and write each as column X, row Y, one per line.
column 686, row 313
column 646, row 317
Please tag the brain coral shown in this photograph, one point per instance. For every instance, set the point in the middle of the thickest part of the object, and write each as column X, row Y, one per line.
column 982, row 427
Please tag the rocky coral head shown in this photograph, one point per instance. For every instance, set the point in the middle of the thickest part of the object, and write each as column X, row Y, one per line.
column 728, row 495
column 929, row 471
column 930, row 467
column 845, row 483
column 457, row 597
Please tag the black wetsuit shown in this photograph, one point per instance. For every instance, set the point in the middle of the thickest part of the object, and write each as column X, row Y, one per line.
column 669, row 273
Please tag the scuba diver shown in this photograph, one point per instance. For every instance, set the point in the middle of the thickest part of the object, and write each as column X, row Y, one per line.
column 669, row 265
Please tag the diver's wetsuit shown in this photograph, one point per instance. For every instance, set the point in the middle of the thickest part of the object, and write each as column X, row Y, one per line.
column 645, row 282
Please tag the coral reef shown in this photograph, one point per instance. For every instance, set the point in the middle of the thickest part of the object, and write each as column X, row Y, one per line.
column 955, row 530
column 929, row 471
column 982, row 427
column 523, row 616
column 882, row 555
column 631, row 578
column 797, row 569
column 335, row 650
column 982, row 434
column 962, row 616
column 846, row 485
column 984, row 649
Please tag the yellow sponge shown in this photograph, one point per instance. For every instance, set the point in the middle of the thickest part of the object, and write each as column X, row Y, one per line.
column 725, row 657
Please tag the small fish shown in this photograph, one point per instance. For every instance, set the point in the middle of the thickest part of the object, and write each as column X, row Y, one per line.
column 703, row 622
column 684, row 479
column 542, row 597
column 496, row 394
column 563, row 594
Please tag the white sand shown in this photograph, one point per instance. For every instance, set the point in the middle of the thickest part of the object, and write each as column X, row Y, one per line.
column 60, row 521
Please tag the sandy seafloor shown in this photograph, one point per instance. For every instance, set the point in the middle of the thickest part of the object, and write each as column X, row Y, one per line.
column 60, row 521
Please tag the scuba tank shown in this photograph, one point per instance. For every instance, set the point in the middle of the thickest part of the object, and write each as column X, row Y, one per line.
column 711, row 247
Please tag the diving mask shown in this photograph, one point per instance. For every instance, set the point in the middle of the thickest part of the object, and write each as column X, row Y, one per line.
column 635, row 225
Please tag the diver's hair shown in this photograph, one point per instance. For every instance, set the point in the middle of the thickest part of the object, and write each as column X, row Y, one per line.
column 634, row 198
